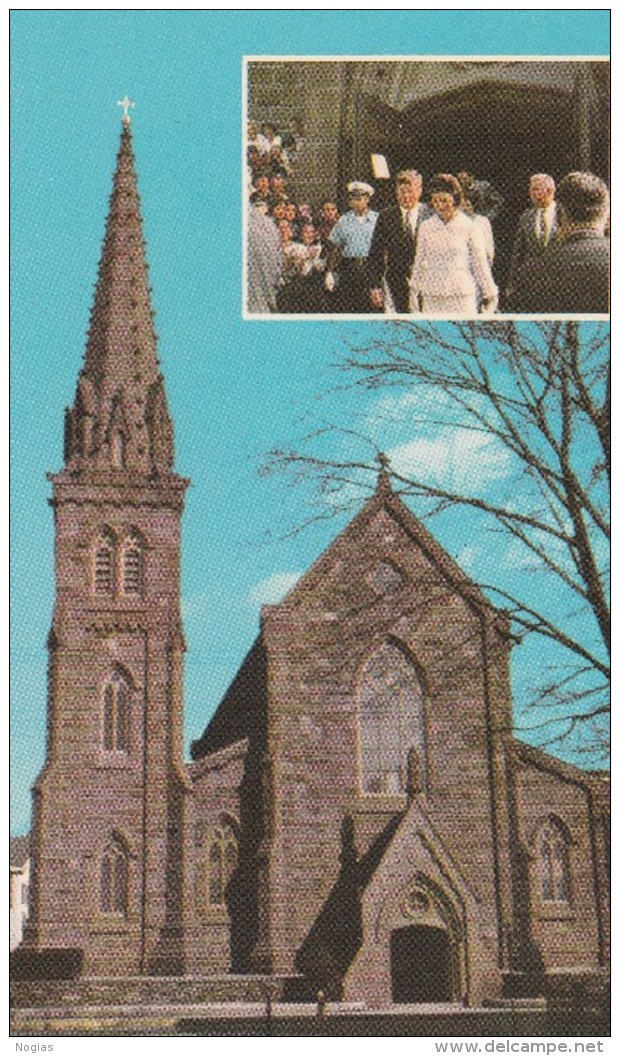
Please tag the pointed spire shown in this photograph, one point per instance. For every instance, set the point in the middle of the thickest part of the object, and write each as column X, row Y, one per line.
column 120, row 418
column 384, row 485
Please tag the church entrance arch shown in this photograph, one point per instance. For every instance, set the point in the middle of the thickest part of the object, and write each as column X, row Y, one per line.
column 422, row 930
column 502, row 134
column 421, row 965
column 499, row 127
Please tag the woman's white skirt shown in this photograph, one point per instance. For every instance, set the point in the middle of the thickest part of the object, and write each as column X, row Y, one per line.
column 461, row 304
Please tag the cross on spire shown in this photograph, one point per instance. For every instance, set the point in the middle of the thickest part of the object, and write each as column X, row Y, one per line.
column 383, row 479
column 127, row 105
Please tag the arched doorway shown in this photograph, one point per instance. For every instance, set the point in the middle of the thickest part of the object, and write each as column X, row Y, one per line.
column 502, row 134
column 512, row 120
column 421, row 965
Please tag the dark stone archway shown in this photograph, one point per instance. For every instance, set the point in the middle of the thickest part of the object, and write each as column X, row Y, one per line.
column 421, row 965
column 501, row 132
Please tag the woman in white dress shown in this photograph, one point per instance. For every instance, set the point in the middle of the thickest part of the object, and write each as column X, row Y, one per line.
column 451, row 263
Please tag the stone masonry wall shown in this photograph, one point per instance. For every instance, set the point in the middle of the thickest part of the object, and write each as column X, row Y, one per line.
column 317, row 642
column 565, row 934
column 89, row 796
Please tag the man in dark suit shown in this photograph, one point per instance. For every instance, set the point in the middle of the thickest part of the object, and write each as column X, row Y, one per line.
column 537, row 227
column 392, row 251
column 573, row 278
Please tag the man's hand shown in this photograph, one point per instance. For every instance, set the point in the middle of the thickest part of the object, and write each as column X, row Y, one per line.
column 376, row 297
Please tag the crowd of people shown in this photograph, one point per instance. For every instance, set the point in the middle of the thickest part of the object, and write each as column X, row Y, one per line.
column 301, row 249
column 431, row 257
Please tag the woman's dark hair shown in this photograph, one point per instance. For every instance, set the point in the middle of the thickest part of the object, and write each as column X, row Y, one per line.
column 475, row 199
column 444, row 183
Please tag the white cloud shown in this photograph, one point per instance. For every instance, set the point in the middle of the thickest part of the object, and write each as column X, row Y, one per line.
column 419, row 401
column 270, row 591
column 455, row 459
column 518, row 557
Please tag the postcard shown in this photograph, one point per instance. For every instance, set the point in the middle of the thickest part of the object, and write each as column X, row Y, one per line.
column 310, row 436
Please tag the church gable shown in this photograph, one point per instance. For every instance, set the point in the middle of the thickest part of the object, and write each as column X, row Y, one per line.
column 383, row 579
column 418, row 896
column 384, row 550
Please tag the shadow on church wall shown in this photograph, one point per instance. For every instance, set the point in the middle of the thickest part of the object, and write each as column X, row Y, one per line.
column 336, row 936
column 243, row 714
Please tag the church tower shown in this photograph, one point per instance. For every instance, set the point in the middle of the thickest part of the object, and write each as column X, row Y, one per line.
column 109, row 805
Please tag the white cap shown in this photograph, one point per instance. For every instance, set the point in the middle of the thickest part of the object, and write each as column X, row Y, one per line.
column 357, row 187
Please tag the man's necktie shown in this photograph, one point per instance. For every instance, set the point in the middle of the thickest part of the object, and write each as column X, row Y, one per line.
column 408, row 231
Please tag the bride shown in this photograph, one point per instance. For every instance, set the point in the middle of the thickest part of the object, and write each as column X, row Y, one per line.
column 451, row 273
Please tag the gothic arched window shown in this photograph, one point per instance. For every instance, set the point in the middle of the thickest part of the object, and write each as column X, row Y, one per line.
column 391, row 721
column 222, row 862
column 114, row 895
column 118, row 449
column 116, row 714
column 103, row 565
column 553, row 863
column 131, row 566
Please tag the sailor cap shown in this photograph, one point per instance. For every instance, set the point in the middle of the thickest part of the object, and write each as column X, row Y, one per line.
column 356, row 187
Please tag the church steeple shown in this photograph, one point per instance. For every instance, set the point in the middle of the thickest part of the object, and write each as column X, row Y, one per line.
column 108, row 834
column 120, row 420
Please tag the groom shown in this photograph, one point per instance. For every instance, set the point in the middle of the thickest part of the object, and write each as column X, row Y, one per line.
column 392, row 251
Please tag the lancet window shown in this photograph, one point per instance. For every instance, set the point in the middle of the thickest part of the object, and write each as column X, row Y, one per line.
column 391, row 712
column 103, row 565
column 117, row 567
column 116, row 699
column 131, row 570
column 118, row 449
column 114, row 895
column 553, row 859
column 222, row 862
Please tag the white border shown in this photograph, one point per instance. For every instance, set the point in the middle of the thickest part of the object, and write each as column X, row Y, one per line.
column 425, row 58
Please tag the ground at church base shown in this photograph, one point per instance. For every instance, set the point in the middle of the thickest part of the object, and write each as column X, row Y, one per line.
column 287, row 1020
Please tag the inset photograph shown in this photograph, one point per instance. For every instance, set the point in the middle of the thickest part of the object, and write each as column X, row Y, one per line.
column 441, row 188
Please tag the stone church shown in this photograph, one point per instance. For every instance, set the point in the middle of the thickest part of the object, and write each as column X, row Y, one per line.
column 357, row 815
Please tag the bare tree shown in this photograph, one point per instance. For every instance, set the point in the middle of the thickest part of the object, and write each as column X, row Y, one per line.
column 541, row 392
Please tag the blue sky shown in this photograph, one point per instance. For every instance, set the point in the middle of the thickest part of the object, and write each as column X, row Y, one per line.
column 236, row 389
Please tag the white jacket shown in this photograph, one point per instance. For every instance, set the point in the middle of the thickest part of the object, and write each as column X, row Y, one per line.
column 451, row 260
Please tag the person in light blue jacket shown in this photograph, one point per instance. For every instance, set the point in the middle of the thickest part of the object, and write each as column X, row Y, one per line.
column 350, row 242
